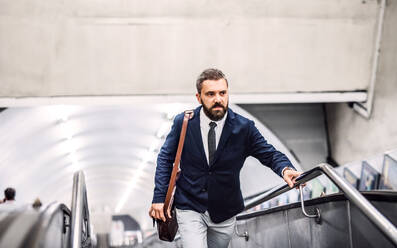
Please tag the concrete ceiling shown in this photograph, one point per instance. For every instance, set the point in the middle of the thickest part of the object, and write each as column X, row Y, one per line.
column 104, row 48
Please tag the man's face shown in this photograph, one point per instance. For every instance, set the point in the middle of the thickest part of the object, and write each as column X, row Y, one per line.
column 214, row 98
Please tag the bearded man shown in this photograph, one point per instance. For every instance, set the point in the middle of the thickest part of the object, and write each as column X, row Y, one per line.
column 208, row 195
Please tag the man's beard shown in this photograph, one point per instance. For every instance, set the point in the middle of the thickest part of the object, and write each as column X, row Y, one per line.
column 215, row 115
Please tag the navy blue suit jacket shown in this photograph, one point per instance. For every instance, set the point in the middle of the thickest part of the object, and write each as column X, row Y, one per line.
column 214, row 187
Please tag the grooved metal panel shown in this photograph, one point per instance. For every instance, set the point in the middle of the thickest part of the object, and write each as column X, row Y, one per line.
column 275, row 227
column 364, row 233
column 269, row 236
column 305, row 232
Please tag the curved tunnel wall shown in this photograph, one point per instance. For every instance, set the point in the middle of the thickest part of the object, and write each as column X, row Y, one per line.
column 42, row 146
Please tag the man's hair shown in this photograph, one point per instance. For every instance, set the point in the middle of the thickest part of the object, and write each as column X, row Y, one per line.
column 9, row 194
column 209, row 74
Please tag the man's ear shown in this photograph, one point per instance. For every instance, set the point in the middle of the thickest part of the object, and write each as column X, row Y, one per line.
column 198, row 97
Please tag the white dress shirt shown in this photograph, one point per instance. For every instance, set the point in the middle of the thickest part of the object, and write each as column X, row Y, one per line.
column 205, row 127
column 8, row 205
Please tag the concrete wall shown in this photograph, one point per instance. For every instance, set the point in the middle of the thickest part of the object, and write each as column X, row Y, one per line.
column 301, row 127
column 354, row 137
column 101, row 47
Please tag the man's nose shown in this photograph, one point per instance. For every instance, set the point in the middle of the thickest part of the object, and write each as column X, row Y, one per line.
column 218, row 98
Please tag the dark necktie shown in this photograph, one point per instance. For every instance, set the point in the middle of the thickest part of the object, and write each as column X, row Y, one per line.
column 211, row 142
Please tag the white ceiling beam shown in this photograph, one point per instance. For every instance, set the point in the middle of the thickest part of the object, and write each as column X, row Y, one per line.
column 267, row 98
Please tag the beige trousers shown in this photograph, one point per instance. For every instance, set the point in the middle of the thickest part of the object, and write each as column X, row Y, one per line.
column 198, row 231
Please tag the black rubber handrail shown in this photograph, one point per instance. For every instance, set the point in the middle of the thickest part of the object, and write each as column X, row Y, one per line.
column 253, row 196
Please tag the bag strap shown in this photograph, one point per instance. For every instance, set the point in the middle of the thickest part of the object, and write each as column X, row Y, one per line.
column 175, row 170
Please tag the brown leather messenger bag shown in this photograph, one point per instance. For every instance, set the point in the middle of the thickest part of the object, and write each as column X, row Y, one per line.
column 167, row 229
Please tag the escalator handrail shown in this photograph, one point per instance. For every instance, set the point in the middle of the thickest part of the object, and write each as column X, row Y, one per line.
column 380, row 221
column 79, row 208
column 38, row 231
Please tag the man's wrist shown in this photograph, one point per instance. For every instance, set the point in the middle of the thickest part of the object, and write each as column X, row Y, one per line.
column 285, row 169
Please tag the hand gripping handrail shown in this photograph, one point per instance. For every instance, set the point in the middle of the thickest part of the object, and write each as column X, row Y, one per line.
column 380, row 221
column 80, row 223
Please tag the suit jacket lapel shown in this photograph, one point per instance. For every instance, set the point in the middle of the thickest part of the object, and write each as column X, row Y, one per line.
column 227, row 130
column 194, row 125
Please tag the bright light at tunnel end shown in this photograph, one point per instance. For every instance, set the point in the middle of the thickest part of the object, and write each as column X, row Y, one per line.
column 146, row 157
column 131, row 186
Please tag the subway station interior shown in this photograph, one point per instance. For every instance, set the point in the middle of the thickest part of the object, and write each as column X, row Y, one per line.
column 89, row 91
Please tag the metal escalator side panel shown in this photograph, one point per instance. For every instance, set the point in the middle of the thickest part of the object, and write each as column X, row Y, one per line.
column 351, row 193
column 49, row 229
column 343, row 224
column 16, row 230
column 80, row 218
column 288, row 227
column 365, row 233
column 6, row 219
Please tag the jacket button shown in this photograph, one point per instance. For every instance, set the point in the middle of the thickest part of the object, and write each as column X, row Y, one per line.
column 203, row 190
column 210, row 173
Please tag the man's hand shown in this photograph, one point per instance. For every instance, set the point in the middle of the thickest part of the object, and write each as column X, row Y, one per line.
column 156, row 211
column 290, row 176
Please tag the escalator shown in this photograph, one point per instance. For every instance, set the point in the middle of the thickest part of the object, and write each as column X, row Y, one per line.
column 340, row 224
column 348, row 219
column 29, row 227
column 54, row 226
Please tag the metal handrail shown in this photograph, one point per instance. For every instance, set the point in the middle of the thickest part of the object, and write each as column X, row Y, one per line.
column 380, row 221
column 80, row 222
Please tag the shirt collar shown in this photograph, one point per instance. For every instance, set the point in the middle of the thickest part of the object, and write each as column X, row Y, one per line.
column 205, row 120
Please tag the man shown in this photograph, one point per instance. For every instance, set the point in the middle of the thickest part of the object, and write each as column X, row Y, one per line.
column 9, row 202
column 208, row 195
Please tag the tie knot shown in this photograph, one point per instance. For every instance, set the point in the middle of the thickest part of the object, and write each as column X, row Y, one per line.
column 212, row 125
